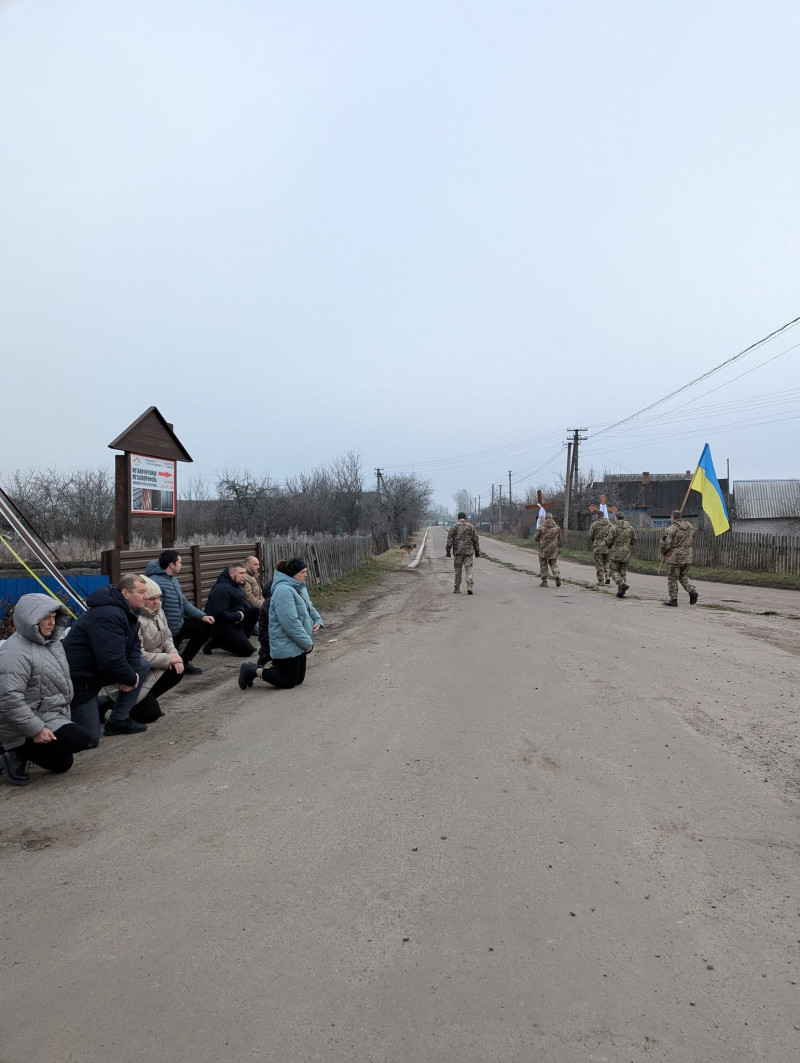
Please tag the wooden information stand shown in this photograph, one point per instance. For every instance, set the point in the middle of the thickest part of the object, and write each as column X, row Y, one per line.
column 146, row 482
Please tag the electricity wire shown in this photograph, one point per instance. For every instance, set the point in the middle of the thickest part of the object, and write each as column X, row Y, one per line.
column 703, row 376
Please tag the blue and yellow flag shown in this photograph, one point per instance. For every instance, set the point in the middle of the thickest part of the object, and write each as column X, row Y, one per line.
column 705, row 481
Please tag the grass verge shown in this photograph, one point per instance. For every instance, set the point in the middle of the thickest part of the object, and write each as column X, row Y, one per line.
column 329, row 595
column 713, row 575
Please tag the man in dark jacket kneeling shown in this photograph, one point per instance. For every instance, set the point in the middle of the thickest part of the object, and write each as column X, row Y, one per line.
column 103, row 648
column 234, row 619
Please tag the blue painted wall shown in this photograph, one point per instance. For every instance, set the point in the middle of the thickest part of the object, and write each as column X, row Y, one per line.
column 11, row 590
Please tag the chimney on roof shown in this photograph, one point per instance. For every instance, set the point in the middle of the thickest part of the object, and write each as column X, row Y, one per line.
column 688, row 474
column 645, row 477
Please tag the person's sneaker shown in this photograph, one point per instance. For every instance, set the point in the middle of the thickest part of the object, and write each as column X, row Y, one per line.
column 693, row 596
column 558, row 581
column 247, row 674
column 672, row 602
column 124, row 727
column 469, row 591
column 14, row 766
column 191, row 669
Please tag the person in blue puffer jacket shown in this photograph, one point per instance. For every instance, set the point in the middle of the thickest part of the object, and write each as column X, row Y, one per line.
column 293, row 621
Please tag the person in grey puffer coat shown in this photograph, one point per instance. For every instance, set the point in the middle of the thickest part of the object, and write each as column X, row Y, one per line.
column 35, row 692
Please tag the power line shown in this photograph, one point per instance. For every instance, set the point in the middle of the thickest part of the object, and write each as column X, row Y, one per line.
column 703, row 376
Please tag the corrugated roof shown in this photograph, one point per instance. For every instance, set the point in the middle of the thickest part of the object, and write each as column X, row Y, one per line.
column 766, row 499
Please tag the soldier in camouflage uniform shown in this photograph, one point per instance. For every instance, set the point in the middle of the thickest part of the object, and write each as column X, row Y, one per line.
column 598, row 532
column 621, row 538
column 676, row 550
column 548, row 536
column 462, row 540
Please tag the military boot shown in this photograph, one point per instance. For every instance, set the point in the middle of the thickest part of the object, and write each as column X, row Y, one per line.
column 456, row 590
column 693, row 596
column 543, row 583
column 672, row 601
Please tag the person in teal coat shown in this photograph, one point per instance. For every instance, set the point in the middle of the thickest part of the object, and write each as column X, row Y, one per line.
column 293, row 621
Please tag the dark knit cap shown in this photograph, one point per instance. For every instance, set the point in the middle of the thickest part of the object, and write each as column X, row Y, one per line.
column 295, row 565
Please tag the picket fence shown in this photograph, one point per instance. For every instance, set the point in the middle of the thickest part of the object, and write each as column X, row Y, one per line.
column 749, row 551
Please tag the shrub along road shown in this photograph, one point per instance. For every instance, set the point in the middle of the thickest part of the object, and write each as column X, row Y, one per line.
column 524, row 825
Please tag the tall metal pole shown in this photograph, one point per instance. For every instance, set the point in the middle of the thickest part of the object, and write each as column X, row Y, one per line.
column 567, row 488
column 500, row 505
column 509, row 493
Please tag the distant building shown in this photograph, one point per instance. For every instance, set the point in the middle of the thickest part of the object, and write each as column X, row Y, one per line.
column 648, row 499
column 767, row 506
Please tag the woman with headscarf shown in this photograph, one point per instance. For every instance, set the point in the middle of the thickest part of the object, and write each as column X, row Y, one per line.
column 293, row 621
column 36, row 691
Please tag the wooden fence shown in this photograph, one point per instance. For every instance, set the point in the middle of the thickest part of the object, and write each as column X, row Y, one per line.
column 328, row 559
column 749, row 551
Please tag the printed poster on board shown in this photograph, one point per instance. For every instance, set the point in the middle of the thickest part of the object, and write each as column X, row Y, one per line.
column 152, row 486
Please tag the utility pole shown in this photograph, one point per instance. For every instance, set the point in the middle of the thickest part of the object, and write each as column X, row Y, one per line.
column 572, row 469
column 567, row 486
column 500, row 505
column 492, row 501
column 509, row 494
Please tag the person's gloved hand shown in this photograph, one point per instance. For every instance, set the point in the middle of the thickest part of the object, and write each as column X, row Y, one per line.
column 477, row 553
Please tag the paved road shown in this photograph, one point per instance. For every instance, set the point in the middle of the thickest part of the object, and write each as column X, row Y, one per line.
column 519, row 826
column 732, row 596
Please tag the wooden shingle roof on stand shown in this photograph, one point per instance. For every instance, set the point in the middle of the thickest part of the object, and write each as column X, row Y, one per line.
column 152, row 435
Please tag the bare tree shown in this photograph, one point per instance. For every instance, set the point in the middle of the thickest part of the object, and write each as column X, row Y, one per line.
column 462, row 500
column 348, row 482
column 243, row 497
column 404, row 501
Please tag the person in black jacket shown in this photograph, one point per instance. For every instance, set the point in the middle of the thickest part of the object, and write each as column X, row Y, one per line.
column 264, row 656
column 103, row 648
column 234, row 619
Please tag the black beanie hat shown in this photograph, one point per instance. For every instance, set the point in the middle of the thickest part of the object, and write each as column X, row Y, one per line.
column 295, row 565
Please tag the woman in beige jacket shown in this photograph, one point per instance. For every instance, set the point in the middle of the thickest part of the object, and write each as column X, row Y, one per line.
column 158, row 649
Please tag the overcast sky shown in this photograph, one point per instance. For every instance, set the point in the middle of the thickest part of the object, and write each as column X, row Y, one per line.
column 439, row 232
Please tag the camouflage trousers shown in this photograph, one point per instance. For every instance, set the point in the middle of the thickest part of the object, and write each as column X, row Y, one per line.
column 619, row 571
column 601, row 567
column 463, row 562
column 678, row 574
column 543, row 563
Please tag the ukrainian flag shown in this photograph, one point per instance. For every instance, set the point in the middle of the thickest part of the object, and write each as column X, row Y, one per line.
column 705, row 481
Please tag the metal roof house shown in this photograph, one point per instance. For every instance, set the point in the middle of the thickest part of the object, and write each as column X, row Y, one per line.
column 767, row 506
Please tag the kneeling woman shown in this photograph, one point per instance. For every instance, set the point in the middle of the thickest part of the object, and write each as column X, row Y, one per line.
column 158, row 649
column 293, row 621
column 35, row 692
